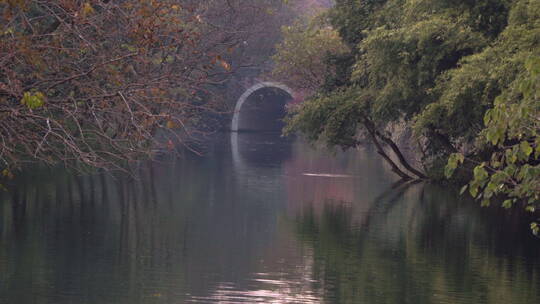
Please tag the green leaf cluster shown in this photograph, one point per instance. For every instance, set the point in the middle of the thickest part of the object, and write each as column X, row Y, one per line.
column 33, row 100
column 512, row 131
column 333, row 118
column 465, row 93
column 301, row 59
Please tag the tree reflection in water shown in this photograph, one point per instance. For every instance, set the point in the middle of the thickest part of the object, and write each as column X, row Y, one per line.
column 257, row 229
column 420, row 244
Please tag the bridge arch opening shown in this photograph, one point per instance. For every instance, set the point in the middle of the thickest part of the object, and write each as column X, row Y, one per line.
column 261, row 108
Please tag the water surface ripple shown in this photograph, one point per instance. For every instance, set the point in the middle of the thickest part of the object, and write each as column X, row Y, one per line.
column 259, row 219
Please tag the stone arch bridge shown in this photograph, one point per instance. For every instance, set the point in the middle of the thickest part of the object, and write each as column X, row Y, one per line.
column 261, row 107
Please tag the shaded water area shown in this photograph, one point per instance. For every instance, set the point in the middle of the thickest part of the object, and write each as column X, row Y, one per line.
column 263, row 220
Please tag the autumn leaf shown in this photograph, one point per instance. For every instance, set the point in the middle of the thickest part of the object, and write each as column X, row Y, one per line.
column 225, row 65
column 87, row 9
column 171, row 124
column 7, row 173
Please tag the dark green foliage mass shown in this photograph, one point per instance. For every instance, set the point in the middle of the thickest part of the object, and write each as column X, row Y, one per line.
column 463, row 74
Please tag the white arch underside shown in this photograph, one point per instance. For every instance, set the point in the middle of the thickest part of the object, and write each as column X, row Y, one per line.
column 243, row 98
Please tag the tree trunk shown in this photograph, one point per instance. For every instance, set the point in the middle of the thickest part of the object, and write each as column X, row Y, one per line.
column 401, row 158
column 380, row 150
column 374, row 134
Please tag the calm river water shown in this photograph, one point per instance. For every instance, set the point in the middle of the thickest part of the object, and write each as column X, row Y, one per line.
column 264, row 220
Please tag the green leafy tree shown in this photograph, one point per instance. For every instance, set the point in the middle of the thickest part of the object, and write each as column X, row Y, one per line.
column 302, row 58
column 463, row 74
column 504, row 81
column 398, row 51
column 466, row 92
column 512, row 133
